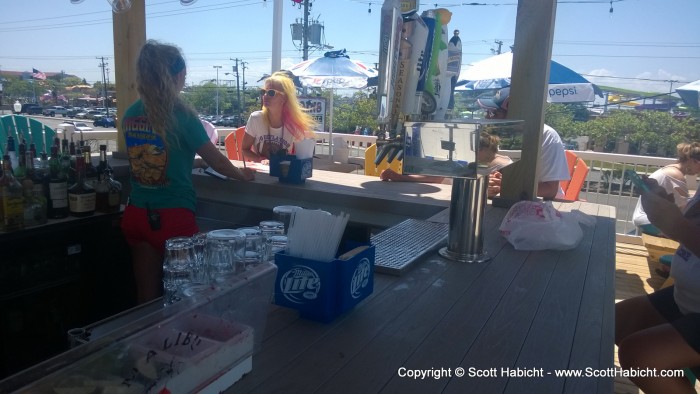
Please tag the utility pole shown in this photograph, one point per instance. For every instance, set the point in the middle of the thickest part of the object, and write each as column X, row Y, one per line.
column 238, row 87
column 217, row 89
column 102, row 65
column 243, row 65
column 305, row 32
column 500, row 43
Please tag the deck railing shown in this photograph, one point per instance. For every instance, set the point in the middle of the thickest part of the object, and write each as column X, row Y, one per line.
column 604, row 184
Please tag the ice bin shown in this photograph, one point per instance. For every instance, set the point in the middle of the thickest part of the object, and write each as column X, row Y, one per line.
column 203, row 342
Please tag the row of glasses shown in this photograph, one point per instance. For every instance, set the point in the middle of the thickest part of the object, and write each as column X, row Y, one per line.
column 194, row 264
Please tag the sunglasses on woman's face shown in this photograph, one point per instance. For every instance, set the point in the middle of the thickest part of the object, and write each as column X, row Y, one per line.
column 270, row 92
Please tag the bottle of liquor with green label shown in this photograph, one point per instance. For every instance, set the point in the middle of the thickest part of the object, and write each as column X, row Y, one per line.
column 81, row 196
column 11, row 199
column 57, row 198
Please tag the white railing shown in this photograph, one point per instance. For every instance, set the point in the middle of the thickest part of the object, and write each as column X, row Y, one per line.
column 604, row 183
column 355, row 142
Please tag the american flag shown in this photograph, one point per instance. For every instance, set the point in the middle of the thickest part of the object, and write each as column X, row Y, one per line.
column 36, row 74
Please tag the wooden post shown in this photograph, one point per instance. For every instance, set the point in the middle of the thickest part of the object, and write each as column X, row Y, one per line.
column 129, row 30
column 532, row 53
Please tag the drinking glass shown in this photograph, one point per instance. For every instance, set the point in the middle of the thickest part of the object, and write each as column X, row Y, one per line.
column 270, row 228
column 284, row 213
column 254, row 250
column 200, row 269
column 275, row 244
column 177, row 267
column 223, row 253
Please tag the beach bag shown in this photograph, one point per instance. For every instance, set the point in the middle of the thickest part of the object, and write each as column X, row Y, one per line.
column 537, row 225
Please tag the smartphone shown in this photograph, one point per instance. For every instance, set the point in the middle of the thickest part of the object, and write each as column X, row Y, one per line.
column 637, row 180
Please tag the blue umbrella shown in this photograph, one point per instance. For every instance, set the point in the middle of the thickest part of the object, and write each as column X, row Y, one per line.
column 565, row 84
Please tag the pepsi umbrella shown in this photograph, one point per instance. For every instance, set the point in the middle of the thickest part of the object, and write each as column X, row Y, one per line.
column 690, row 94
column 565, row 84
column 335, row 70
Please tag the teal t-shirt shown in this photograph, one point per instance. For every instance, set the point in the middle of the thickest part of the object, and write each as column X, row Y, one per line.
column 161, row 175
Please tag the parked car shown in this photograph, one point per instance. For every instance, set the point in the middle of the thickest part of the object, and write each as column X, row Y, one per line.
column 105, row 121
column 82, row 114
column 94, row 114
column 79, row 126
column 55, row 110
column 31, row 109
column 74, row 111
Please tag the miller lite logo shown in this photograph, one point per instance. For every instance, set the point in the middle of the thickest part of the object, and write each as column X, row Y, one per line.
column 300, row 284
column 360, row 278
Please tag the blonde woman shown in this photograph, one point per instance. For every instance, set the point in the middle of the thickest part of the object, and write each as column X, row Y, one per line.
column 162, row 135
column 281, row 122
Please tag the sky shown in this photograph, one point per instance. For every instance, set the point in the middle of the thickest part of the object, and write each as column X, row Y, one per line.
column 646, row 45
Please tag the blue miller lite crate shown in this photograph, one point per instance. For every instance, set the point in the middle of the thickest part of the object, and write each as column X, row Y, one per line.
column 323, row 290
column 299, row 169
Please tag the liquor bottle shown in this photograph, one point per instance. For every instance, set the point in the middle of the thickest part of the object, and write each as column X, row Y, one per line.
column 34, row 195
column 109, row 193
column 20, row 170
column 90, row 170
column 11, row 198
column 65, row 158
column 11, row 150
column 57, row 198
column 81, row 196
column 103, row 165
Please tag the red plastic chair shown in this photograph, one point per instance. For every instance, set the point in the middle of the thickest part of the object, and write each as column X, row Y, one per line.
column 578, row 170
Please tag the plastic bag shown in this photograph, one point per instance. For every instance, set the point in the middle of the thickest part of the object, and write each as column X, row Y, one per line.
column 535, row 225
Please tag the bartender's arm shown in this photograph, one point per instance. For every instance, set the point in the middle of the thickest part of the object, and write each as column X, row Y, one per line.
column 223, row 165
column 247, row 149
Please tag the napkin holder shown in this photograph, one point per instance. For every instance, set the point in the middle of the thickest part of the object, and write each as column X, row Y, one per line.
column 320, row 290
column 296, row 171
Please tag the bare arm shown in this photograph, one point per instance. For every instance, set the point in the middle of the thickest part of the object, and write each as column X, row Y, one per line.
column 247, row 149
column 222, row 165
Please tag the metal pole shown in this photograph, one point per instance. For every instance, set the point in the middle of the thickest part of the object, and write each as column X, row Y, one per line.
column 217, row 89
column 276, row 36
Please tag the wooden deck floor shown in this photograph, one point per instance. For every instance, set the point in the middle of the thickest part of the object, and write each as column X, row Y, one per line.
column 634, row 275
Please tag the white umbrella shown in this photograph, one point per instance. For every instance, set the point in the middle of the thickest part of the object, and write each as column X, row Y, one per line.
column 333, row 71
column 565, row 84
column 690, row 94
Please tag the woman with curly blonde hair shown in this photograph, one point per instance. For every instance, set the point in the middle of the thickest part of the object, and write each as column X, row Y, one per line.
column 280, row 123
column 162, row 135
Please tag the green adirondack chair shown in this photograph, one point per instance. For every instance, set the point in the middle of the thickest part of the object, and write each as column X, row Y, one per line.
column 30, row 129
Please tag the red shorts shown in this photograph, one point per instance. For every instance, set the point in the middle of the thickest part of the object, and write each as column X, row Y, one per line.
column 174, row 222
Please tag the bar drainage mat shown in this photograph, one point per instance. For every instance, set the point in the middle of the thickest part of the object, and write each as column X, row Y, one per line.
column 399, row 246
